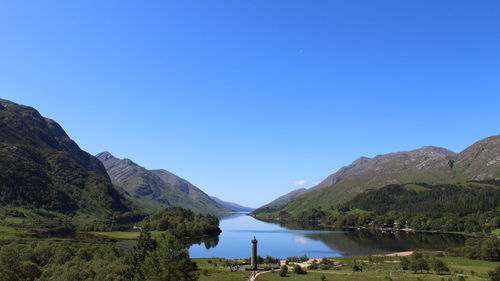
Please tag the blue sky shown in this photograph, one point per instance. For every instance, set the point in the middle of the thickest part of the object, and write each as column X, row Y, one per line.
column 244, row 98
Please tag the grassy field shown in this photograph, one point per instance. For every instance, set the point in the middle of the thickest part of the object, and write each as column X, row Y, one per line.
column 353, row 276
column 125, row 235
column 374, row 269
column 214, row 269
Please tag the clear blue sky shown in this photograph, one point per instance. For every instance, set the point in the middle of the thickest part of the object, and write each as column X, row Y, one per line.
column 243, row 98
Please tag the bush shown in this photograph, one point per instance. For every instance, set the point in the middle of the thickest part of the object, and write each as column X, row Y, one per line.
column 313, row 266
column 356, row 268
column 297, row 269
column 283, row 271
column 494, row 274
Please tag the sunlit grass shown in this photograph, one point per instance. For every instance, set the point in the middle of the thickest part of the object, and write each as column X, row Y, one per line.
column 125, row 235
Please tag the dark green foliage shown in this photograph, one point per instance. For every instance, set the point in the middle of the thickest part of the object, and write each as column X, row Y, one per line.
column 165, row 259
column 356, row 268
column 419, row 263
column 439, row 266
column 60, row 261
column 494, row 275
column 297, row 269
column 269, row 259
column 405, row 263
column 170, row 261
column 283, row 270
column 310, row 214
column 183, row 223
column 440, row 207
column 13, row 268
column 485, row 249
column 297, row 259
column 144, row 246
column 456, row 199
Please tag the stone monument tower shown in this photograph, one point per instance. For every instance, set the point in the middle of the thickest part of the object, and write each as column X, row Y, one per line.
column 254, row 254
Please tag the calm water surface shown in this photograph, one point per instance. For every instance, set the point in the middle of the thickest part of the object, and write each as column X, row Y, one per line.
column 281, row 241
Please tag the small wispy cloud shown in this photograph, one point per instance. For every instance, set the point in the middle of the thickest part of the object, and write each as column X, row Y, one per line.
column 300, row 182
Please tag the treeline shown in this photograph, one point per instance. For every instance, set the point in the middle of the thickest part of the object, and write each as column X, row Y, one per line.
column 482, row 249
column 56, row 260
column 470, row 207
column 182, row 223
column 150, row 260
column 457, row 199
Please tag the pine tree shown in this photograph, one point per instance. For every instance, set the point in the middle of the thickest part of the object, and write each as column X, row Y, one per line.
column 144, row 246
column 169, row 262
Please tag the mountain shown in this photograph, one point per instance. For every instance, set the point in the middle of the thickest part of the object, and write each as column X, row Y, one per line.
column 287, row 197
column 232, row 206
column 157, row 189
column 41, row 167
column 429, row 164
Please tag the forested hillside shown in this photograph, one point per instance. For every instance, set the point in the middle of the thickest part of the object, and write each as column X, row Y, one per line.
column 430, row 165
column 466, row 207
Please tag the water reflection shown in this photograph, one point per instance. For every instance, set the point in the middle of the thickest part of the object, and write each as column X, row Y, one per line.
column 298, row 239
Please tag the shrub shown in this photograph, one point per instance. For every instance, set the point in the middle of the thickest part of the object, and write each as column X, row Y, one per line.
column 297, row 269
column 283, row 271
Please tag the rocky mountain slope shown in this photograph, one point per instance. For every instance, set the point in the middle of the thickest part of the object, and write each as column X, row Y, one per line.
column 428, row 164
column 41, row 167
column 156, row 189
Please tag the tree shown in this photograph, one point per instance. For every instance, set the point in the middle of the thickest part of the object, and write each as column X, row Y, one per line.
column 11, row 267
column 418, row 263
column 169, row 262
column 314, row 265
column 405, row 263
column 144, row 246
column 283, row 270
column 297, row 269
column 439, row 266
column 494, row 274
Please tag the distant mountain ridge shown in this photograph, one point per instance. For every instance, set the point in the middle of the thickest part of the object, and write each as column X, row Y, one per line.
column 429, row 164
column 283, row 199
column 232, row 206
column 157, row 189
column 41, row 167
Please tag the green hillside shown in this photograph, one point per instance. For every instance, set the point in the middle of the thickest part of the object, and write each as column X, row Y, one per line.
column 432, row 165
column 42, row 168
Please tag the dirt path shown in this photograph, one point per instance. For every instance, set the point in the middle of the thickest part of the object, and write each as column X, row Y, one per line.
column 254, row 275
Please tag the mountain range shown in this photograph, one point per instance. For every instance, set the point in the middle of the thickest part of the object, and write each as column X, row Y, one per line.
column 232, row 206
column 41, row 167
column 157, row 189
column 429, row 164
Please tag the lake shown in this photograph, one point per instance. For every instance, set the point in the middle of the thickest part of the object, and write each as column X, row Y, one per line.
column 286, row 241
